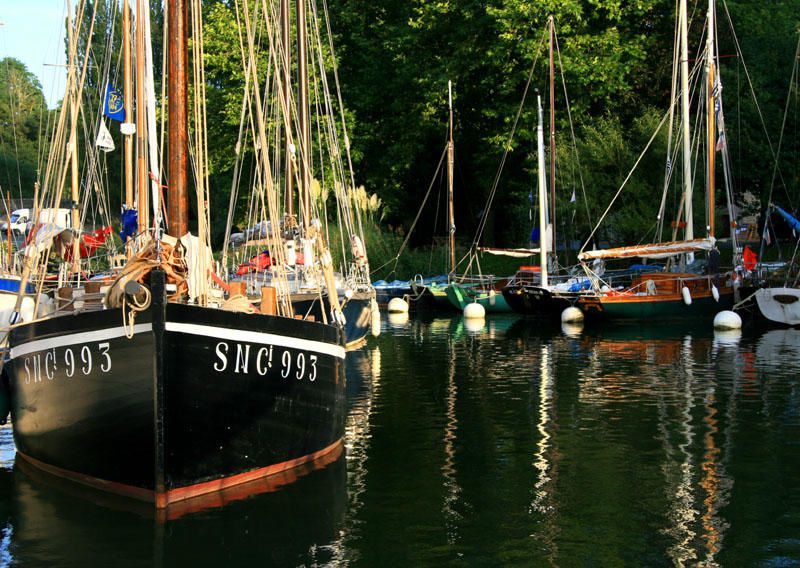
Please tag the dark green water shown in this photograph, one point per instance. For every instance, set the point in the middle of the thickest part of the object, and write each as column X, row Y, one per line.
column 514, row 445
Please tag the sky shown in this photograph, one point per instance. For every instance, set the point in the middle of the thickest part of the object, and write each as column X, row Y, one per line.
column 33, row 32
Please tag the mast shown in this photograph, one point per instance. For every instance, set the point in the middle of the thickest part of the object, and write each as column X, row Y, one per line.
column 141, row 142
column 710, row 86
column 73, row 147
column 286, row 44
column 687, row 147
column 127, row 100
column 551, row 23
column 542, row 195
column 450, row 162
column 303, row 118
column 150, row 95
column 178, row 198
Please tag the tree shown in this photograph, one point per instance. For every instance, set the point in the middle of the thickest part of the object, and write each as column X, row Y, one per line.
column 22, row 112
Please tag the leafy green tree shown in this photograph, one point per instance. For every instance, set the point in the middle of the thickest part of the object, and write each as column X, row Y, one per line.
column 23, row 111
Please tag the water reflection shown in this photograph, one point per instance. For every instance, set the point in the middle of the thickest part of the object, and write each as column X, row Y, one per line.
column 518, row 444
column 55, row 523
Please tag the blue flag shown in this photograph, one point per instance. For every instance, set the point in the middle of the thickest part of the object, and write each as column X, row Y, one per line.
column 130, row 224
column 114, row 107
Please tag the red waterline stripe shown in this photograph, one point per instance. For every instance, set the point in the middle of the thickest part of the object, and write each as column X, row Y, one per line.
column 182, row 493
column 162, row 500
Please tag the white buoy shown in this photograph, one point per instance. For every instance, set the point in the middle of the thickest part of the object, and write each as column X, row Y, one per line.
column 727, row 320
column 687, row 296
column 398, row 319
column 376, row 318
column 398, row 306
column 715, row 292
column 571, row 315
column 571, row 329
column 474, row 311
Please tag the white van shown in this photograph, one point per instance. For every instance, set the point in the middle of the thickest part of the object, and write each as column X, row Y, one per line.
column 21, row 221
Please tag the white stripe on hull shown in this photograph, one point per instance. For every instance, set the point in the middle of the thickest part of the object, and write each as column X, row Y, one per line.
column 76, row 338
column 256, row 337
column 192, row 329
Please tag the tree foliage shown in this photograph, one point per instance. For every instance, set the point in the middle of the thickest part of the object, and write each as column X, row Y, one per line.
column 22, row 112
column 395, row 59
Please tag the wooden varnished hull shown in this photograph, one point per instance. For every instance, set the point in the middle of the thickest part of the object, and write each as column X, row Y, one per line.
column 666, row 303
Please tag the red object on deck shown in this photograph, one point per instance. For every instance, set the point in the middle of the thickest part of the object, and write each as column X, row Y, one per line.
column 750, row 258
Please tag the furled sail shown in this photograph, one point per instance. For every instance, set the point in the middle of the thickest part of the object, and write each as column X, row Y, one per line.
column 516, row 252
column 655, row 250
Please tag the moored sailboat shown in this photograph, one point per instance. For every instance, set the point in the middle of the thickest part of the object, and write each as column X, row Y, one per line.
column 167, row 389
column 676, row 292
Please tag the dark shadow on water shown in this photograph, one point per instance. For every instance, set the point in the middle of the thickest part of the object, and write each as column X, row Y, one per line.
column 285, row 521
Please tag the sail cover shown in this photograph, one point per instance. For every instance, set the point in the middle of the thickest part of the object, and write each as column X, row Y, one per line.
column 655, row 250
column 517, row 252
column 793, row 223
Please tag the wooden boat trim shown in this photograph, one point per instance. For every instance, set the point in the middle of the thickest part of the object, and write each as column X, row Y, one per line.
column 171, row 496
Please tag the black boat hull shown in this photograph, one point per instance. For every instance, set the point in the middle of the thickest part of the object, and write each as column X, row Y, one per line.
column 537, row 301
column 198, row 400
column 357, row 312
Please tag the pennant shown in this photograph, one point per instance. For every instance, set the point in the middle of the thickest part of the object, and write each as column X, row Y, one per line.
column 721, row 142
column 717, row 89
column 104, row 140
column 573, row 199
column 114, row 106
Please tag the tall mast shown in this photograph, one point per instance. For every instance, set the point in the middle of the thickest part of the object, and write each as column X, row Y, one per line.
column 152, row 132
column 450, row 161
column 73, row 143
column 542, row 194
column 141, row 130
column 303, row 119
column 451, row 216
column 178, row 197
column 687, row 148
column 552, row 131
column 286, row 44
column 127, row 100
column 710, row 86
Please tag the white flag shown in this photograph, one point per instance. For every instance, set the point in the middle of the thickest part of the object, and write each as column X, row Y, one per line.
column 572, row 199
column 104, row 140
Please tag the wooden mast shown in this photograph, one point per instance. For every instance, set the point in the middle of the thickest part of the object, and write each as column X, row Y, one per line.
column 303, row 116
column 687, row 144
column 178, row 197
column 450, row 206
column 286, row 44
column 552, row 136
column 141, row 128
column 127, row 99
column 711, row 103
column 73, row 149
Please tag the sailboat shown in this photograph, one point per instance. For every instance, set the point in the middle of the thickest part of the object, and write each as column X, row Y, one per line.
column 774, row 299
column 166, row 388
column 673, row 294
column 541, row 290
column 301, row 209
